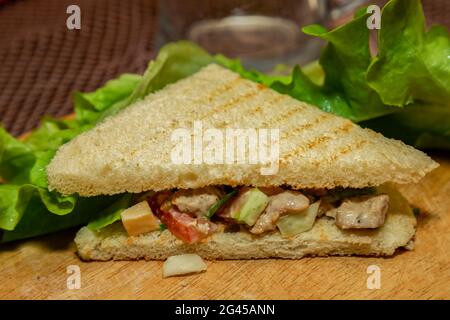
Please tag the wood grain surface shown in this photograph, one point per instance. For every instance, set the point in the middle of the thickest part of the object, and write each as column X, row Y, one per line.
column 37, row 269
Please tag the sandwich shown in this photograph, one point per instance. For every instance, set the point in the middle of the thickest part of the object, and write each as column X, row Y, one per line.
column 318, row 185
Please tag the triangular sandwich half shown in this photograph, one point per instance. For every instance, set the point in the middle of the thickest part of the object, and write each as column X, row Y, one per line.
column 326, row 192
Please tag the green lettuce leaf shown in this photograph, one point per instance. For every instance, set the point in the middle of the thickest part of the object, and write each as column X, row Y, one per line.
column 37, row 220
column 14, row 200
column 345, row 60
column 52, row 133
column 302, row 88
column 175, row 61
column 16, row 159
column 421, row 126
column 112, row 213
column 11, row 207
column 254, row 75
column 88, row 106
column 412, row 65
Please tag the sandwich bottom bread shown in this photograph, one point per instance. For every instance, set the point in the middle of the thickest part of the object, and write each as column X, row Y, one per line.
column 325, row 238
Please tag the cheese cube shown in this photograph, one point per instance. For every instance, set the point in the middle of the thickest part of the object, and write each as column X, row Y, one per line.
column 139, row 219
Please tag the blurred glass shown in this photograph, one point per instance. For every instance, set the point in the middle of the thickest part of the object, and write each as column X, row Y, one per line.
column 262, row 33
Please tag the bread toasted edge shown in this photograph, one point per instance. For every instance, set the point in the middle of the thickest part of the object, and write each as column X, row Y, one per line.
column 324, row 239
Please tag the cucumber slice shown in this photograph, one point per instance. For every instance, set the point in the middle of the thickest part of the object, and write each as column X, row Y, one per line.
column 255, row 203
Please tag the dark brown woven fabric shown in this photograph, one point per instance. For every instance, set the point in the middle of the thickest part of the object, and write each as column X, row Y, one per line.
column 437, row 12
column 42, row 62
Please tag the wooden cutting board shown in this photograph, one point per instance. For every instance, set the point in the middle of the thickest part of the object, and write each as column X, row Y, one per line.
column 38, row 269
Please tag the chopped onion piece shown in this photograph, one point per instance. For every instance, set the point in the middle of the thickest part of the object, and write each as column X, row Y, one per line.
column 183, row 264
column 294, row 224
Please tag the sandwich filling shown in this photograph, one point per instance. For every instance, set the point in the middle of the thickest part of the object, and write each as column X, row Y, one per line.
column 194, row 214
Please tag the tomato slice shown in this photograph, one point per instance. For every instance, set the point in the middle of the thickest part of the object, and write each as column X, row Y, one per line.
column 183, row 226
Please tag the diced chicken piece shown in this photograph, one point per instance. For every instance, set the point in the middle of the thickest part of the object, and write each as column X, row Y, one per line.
column 364, row 212
column 139, row 219
column 282, row 203
column 196, row 201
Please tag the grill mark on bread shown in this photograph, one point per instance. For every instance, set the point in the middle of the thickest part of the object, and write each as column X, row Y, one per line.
column 252, row 112
column 260, row 86
column 233, row 102
column 314, row 143
column 256, row 110
column 308, row 125
column 348, row 148
column 223, row 89
column 351, row 147
column 284, row 116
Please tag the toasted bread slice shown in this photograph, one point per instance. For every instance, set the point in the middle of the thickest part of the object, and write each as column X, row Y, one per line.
column 131, row 152
column 323, row 239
